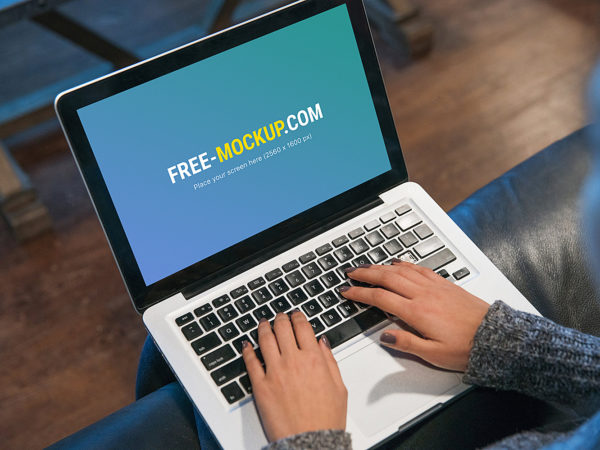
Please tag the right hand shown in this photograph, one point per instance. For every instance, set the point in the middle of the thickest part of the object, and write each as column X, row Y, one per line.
column 445, row 316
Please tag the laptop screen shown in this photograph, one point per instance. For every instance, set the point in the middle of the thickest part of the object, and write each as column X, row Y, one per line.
column 211, row 154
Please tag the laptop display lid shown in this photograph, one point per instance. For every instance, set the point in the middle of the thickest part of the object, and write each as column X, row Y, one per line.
column 205, row 159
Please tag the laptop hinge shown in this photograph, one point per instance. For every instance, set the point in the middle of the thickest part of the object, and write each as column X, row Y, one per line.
column 278, row 248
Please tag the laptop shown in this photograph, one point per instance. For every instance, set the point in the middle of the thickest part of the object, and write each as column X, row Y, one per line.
column 236, row 177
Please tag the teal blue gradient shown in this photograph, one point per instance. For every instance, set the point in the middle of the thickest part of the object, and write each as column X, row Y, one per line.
column 138, row 134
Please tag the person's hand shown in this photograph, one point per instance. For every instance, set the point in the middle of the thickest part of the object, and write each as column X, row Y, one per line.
column 445, row 315
column 301, row 389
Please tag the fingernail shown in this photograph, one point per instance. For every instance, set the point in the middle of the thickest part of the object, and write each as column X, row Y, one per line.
column 295, row 310
column 325, row 341
column 364, row 266
column 388, row 338
column 343, row 288
column 396, row 260
column 262, row 319
column 350, row 269
column 245, row 343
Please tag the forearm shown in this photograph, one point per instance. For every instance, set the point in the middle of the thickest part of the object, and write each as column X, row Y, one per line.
column 517, row 351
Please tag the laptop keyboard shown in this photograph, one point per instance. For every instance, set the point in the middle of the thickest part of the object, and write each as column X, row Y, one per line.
column 217, row 329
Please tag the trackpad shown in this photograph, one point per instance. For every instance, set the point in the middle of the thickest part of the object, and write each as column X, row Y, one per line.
column 384, row 386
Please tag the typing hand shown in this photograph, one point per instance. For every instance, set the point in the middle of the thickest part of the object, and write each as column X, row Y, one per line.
column 301, row 389
column 445, row 315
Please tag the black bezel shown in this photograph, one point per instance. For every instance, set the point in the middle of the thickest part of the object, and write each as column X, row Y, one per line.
column 68, row 103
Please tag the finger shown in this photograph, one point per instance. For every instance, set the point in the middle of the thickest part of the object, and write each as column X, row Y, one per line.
column 330, row 359
column 396, row 279
column 408, row 343
column 305, row 336
column 268, row 343
column 253, row 365
column 284, row 334
column 388, row 301
column 415, row 268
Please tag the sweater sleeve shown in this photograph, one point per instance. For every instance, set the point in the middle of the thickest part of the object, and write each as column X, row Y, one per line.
column 323, row 439
column 513, row 350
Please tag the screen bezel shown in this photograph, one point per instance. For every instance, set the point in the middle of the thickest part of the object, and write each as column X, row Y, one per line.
column 69, row 102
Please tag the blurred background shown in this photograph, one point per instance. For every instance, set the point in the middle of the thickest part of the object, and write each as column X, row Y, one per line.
column 476, row 87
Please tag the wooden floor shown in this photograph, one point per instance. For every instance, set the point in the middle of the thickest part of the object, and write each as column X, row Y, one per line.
column 505, row 79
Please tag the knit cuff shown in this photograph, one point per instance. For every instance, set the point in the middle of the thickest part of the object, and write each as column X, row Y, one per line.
column 323, row 439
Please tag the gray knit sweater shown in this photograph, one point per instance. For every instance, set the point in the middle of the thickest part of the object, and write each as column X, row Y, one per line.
column 516, row 351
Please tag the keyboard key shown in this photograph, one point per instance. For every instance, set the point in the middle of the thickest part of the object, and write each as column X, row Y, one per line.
column 390, row 230
column 316, row 324
column 229, row 372
column 408, row 221
column 307, row 257
column 218, row 357
column 246, row 322
column 362, row 259
column 403, row 210
column 206, row 343
column 278, row 287
column 356, row 233
column 245, row 382
column 263, row 312
column 330, row 279
column 331, row 317
column 182, row 320
column 408, row 257
column 295, row 278
column 377, row 255
column 354, row 326
column 387, row 217
column 327, row 262
column 341, row 270
column 374, row 239
column 262, row 295
column 359, row 246
column 311, row 270
column 204, row 309
column 393, row 247
column 439, row 259
column 232, row 393
column 238, row 292
column 443, row 273
column 275, row 273
column 290, row 266
column 347, row 309
column 237, row 343
column 428, row 247
column 220, row 301
column 343, row 254
column 339, row 241
column 297, row 296
column 210, row 322
column 280, row 305
column 324, row 249
column 228, row 331
column 423, row 231
column 372, row 225
column 227, row 313
column 244, row 304
column 314, row 288
column 191, row 331
column 328, row 299
column 459, row 274
column 256, row 283
column 408, row 239
column 311, row 308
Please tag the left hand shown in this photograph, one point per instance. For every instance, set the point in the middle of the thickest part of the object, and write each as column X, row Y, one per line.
column 301, row 389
